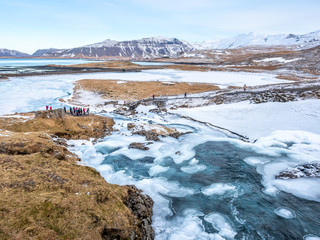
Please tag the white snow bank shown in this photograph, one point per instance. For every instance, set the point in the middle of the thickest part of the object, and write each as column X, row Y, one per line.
column 277, row 59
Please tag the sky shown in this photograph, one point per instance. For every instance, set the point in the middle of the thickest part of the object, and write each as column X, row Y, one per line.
column 28, row 25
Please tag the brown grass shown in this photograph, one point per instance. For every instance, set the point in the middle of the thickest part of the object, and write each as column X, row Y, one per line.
column 295, row 78
column 45, row 194
column 70, row 127
column 134, row 90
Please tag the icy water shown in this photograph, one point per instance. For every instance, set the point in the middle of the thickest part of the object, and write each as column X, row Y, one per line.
column 205, row 185
column 202, row 186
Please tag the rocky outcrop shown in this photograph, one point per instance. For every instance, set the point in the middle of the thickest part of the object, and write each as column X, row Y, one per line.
column 141, row 206
column 140, row 146
column 149, row 135
column 305, row 170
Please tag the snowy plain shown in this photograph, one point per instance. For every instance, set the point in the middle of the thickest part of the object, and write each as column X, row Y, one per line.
column 259, row 120
column 23, row 94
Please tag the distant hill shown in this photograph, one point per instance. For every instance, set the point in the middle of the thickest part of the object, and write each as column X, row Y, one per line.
column 251, row 39
column 12, row 53
column 142, row 48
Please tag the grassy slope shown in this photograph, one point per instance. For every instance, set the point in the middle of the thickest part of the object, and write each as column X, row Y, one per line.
column 45, row 194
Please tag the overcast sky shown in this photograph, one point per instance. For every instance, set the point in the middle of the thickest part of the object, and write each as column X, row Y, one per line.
column 27, row 25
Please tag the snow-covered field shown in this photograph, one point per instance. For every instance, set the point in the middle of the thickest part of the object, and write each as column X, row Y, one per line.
column 259, row 120
column 33, row 93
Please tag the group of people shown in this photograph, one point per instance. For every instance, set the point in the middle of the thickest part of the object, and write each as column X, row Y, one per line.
column 77, row 111
column 74, row 111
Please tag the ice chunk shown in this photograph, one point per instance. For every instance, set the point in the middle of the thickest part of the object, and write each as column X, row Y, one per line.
column 155, row 170
column 221, row 223
column 193, row 169
column 217, row 188
column 285, row 212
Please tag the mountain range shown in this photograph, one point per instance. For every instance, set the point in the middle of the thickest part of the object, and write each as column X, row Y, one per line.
column 251, row 39
column 167, row 47
column 142, row 48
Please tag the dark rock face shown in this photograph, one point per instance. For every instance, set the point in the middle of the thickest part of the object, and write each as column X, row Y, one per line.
column 140, row 146
column 141, row 206
column 305, row 170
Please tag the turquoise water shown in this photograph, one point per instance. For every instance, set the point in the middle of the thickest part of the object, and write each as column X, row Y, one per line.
column 245, row 208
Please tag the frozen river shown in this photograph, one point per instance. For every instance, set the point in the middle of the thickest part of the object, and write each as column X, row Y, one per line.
column 206, row 184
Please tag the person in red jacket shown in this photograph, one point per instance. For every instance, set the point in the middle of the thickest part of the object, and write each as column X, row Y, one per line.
column 50, row 107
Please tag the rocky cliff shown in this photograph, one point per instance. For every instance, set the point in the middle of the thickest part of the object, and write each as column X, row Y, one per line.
column 45, row 194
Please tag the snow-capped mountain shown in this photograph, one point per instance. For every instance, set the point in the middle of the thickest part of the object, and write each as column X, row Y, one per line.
column 251, row 39
column 105, row 43
column 12, row 53
column 145, row 47
column 50, row 52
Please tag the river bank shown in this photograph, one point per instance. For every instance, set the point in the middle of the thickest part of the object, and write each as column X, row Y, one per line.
column 47, row 194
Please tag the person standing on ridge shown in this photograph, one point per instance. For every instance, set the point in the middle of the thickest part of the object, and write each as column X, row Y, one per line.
column 244, row 87
column 50, row 107
column 47, row 107
column 185, row 94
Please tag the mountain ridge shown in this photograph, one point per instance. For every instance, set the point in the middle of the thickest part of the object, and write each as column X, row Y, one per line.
column 141, row 48
column 12, row 53
column 307, row 40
